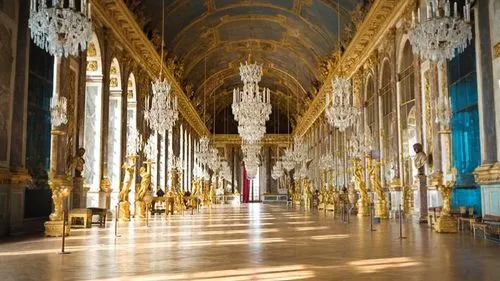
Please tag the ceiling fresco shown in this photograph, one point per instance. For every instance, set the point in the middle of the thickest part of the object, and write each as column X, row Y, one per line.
column 209, row 39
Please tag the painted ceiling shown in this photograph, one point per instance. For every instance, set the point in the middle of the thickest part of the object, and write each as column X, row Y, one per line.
column 210, row 38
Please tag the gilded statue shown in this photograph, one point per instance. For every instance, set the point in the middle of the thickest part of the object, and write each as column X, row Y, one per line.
column 145, row 173
column 380, row 203
column 446, row 222
column 129, row 169
column 124, row 205
column 144, row 187
column 359, row 184
column 306, row 184
column 420, row 158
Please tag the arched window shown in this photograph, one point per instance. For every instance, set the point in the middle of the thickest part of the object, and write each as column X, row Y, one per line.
column 406, row 86
column 181, row 152
column 114, row 129
column 131, row 123
column 387, row 133
column 93, row 120
column 371, row 109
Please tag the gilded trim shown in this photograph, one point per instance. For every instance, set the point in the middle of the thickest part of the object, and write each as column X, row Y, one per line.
column 381, row 16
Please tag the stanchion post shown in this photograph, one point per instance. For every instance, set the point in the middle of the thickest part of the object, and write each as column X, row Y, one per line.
column 116, row 221
column 401, row 223
column 63, row 240
column 371, row 217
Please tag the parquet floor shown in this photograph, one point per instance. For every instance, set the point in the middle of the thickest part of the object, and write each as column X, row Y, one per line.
column 253, row 242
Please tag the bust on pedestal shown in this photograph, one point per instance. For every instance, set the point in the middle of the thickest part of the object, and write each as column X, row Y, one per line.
column 420, row 160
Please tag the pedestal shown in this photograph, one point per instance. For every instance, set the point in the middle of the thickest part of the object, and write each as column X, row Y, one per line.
column 446, row 224
column 78, row 194
column 422, row 188
column 363, row 210
column 140, row 209
column 380, row 209
column 124, row 211
column 55, row 228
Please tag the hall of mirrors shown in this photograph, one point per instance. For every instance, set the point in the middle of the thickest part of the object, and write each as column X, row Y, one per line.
column 152, row 113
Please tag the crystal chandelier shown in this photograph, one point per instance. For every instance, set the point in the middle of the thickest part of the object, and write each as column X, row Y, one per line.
column 61, row 28
column 339, row 111
column 443, row 111
column 213, row 161
column 299, row 150
column 440, row 35
column 176, row 163
column 251, row 106
column 225, row 170
column 326, row 162
column 303, row 171
column 277, row 171
column 134, row 142
column 251, row 152
column 162, row 113
column 288, row 159
column 203, row 149
column 58, row 111
column 150, row 149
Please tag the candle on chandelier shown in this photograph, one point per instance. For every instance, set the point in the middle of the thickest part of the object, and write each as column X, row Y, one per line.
column 455, row 9
column 88, row 11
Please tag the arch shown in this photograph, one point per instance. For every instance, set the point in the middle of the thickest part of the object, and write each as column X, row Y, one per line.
column 93, row 120
column 401, row 51
column 114, row 129
column 131, row 88
column 115, row 79
column 94, row 57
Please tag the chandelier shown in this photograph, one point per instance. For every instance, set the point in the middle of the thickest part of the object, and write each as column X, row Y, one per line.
column 150, row 149
column 203, row 150
column 303, row 171
column 326, row 162
column 299, row 150
column 251, row 152
column 225, row 170
column 60, row 27
column 251, row 106
column 288, row 159
column 277, row 171
column 440, row 35
column 339, row 111
column 58, row 111
column 134, row 142
column 162, row 113
column 176, row 163
column 213, row 160
column 443, row 111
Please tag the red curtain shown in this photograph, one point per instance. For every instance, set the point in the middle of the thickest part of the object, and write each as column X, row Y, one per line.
column 246, row 186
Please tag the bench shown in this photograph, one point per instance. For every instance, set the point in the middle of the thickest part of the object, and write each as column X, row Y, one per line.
column 101, row 212
column 84, row 214
column 488, row 222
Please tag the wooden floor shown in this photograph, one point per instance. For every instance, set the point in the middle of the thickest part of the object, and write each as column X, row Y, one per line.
column 254, row 242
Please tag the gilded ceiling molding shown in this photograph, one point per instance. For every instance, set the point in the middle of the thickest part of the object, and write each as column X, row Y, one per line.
column 382, row 15
column 268, row 139
column 344, row 12
column 242, row 45
column 116, row 16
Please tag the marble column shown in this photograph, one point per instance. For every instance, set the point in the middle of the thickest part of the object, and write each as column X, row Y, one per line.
column 105, row 185
column 59, row 181
column 484, row 70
